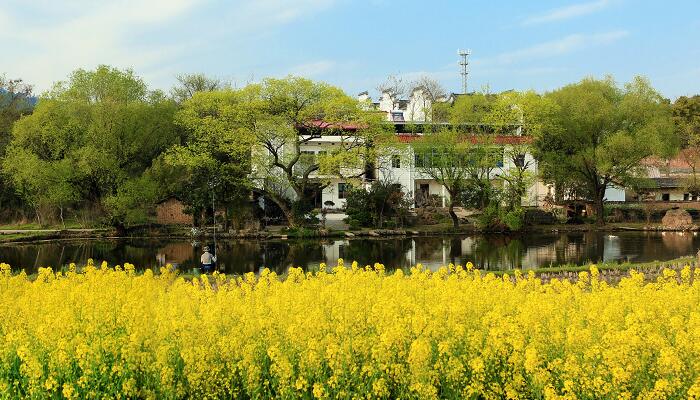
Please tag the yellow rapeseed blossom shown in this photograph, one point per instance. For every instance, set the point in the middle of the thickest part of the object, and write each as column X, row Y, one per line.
column 347, row 332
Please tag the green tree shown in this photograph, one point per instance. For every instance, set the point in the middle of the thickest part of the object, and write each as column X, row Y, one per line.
column 443, row 156
column 525, row 114
column 16, row 101
column 470, row 112
column 686, row 117
column 603, row 133
column 281, row 116
column 215, row 156
column 105, row 125
column 44, row 185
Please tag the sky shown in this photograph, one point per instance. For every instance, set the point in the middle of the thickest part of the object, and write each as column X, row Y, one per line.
column 539, row 45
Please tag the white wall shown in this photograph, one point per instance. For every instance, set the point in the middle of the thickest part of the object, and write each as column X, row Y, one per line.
column 615, row 194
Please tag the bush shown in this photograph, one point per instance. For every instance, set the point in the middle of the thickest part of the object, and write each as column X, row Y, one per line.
column 514, row 219
column 384, row 203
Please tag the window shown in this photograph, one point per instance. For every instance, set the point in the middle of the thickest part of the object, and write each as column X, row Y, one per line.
column 420, row 161
column 686, row 196
column 343, row 190
column 395, row 161
column 520, row 160
column 666, row 197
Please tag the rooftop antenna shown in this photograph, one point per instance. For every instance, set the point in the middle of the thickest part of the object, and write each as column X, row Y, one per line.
column 464, row 64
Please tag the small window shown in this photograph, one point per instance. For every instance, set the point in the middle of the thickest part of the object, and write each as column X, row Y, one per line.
column 395, row 162
column 520, row 160
column 666, row 197
column 342, row 190
column 686, row 196
column 419, row 161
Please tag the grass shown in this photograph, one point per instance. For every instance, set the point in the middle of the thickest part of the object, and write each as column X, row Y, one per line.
column 70, row 224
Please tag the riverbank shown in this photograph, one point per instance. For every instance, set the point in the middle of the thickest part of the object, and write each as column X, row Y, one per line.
column 19, row 235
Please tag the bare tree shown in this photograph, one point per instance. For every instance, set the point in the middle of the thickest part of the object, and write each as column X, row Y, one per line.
column 431, row 92
column 395, row 87
column 189, row 84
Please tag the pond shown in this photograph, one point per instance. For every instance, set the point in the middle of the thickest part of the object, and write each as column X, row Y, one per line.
column 488, row 252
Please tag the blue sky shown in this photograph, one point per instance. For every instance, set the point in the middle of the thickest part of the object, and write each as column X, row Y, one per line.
column 536, row 45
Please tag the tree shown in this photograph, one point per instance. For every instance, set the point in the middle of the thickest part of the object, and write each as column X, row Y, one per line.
column 44, row 185
column 104, row 125
column 517, row 176
column 686, row 117
column 470, row 112
column 215, row 156
column 371, row 208
column 281, row 116
column 430, row 92
column 446, row 156
column 395, row 87
column 189, row 84
column 526, row 114
column 602, row 134
column 16, row 101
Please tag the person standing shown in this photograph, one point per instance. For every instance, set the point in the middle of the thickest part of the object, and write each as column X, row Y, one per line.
column 208, row 259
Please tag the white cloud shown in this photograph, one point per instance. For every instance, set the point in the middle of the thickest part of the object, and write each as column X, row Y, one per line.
column 563, row 13
column 46, row 41
column 312, row 69
column 552, row 48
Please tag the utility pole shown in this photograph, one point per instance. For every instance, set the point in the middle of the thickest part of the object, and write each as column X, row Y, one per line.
column 464, row 64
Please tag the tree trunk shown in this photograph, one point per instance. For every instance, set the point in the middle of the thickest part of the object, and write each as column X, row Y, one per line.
column 598, row 204
column 453, row 215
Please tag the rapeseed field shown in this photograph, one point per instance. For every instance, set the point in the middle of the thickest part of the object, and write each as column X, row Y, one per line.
column 347, row 332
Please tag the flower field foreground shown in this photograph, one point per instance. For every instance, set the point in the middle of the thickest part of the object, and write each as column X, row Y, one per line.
column 348, row 333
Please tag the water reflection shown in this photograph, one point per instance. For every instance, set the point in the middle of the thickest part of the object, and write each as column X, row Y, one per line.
column 489, row 252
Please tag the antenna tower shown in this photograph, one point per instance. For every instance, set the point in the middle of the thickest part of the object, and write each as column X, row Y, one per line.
column 464, row 65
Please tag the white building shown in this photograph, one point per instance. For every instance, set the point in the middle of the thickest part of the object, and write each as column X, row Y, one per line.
column 400, row 167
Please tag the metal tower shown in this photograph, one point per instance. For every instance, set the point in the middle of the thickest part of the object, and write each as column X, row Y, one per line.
column 464, row 64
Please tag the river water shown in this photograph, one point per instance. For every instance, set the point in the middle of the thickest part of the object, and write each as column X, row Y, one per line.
column 488, row 252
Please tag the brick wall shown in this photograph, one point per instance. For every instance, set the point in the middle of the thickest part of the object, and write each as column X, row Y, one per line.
column 172, row 212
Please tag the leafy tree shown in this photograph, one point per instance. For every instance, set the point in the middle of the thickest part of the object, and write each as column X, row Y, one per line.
column 216, row 154
column 517, row 176
column 444, row 156
column 603, row 134
column 16, row 101
column 686, row 117
column 525, row 114
column 281, row 116
column 104, row 125
column 470, row 111
column 44, row 185
column 373, row 207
